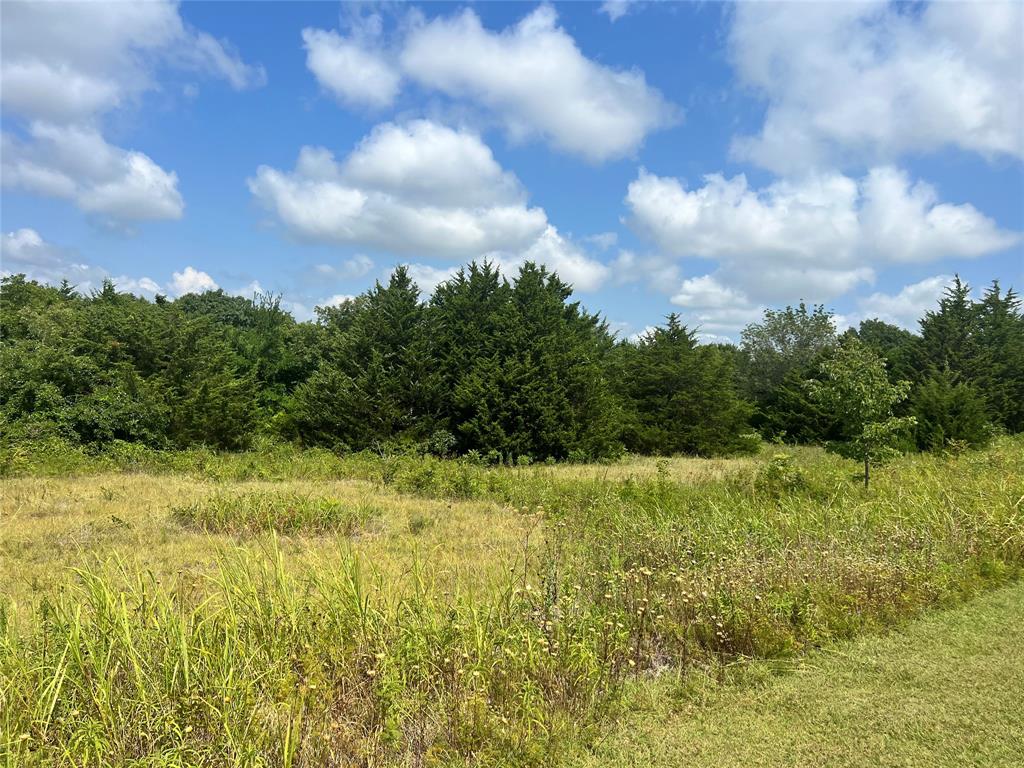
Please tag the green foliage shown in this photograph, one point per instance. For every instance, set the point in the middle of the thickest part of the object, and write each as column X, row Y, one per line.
column 949, row 411
column 522, row 369
column 258, row 512
column 682, row 398
column 898, row 347
column 857, row 389
column 784, row 342
column 491, row 367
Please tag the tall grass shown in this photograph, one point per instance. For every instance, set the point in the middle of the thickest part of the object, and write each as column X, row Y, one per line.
column 259, row 512
column 260, row 665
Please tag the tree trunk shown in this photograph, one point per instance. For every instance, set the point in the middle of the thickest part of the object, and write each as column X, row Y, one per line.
column 867, row 471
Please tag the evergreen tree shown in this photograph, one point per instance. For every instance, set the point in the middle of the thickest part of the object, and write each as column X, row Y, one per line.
column 949, row 335
column 999, row 370
column 371, row 383
column 948, row 410
column 897, row 346
column 539, row 387
column 681, row 397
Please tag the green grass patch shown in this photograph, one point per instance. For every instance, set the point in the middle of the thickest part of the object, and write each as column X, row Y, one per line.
column 945, row 691
column 258, row 512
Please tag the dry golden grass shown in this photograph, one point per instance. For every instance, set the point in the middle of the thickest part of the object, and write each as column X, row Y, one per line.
column 48, row 525
column 682, row 469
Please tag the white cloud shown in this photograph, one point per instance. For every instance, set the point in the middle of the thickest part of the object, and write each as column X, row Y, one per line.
column 421, row 188
column 299, row 311
column 431, row 164
column 141, row 286
column 706, row 292
column 906, row 222
column 428, row 277
column 77, row 164
column 24, row 251
column 867, row 81
column 531, row 76
column 538, row 82
column 336, row 300
column 909, row 305
column 351, row 68
column 246, row 291
column 552, row 250
column 64, row 65
column 659, row 272
column 615, row 9
column 66, row 62
column 358, row 266
column 717, row 310
column 191, row 280
column 424, row 189
column 560, row 255
column 815, row 238
column 603, row 240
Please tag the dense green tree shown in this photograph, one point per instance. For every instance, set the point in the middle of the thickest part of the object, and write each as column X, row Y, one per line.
column 785, row 341
column 790, row 414
column 508, row 367
column 779, row 356
column 948, row 411
column 681, row 397
column 897, row 346
column 949, row 334
column 371, row 384
column 999, row 370
column 535, row 380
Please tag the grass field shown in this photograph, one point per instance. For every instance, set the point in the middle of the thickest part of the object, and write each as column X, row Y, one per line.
column 301, row 609
column 944, row 691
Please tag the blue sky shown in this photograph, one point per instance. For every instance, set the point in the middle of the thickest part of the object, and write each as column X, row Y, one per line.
column 707, row 159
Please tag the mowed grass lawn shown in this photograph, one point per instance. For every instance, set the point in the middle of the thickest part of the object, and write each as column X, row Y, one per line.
column 945, row 690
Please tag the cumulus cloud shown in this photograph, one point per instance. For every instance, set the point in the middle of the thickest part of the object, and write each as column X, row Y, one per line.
column 427, row 277
column 867, row 81
column 558, row 254
column 907, row 306
column 25, row 251
column 351, row 68
column 63, row 66
column 336, row 300
column 77, row 164
column 717, row 310
column 192, row 280
column 538, row 82
column 420, row 188
column 552, row 250
column 815, row 238
column 532, row 77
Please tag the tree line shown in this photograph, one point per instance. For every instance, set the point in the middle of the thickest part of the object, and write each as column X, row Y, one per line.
column 503, row 369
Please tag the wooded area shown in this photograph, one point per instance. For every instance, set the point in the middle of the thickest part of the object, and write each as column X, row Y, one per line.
column 502, row 370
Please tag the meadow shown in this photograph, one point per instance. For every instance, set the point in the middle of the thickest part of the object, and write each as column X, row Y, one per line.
column 304, row 608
